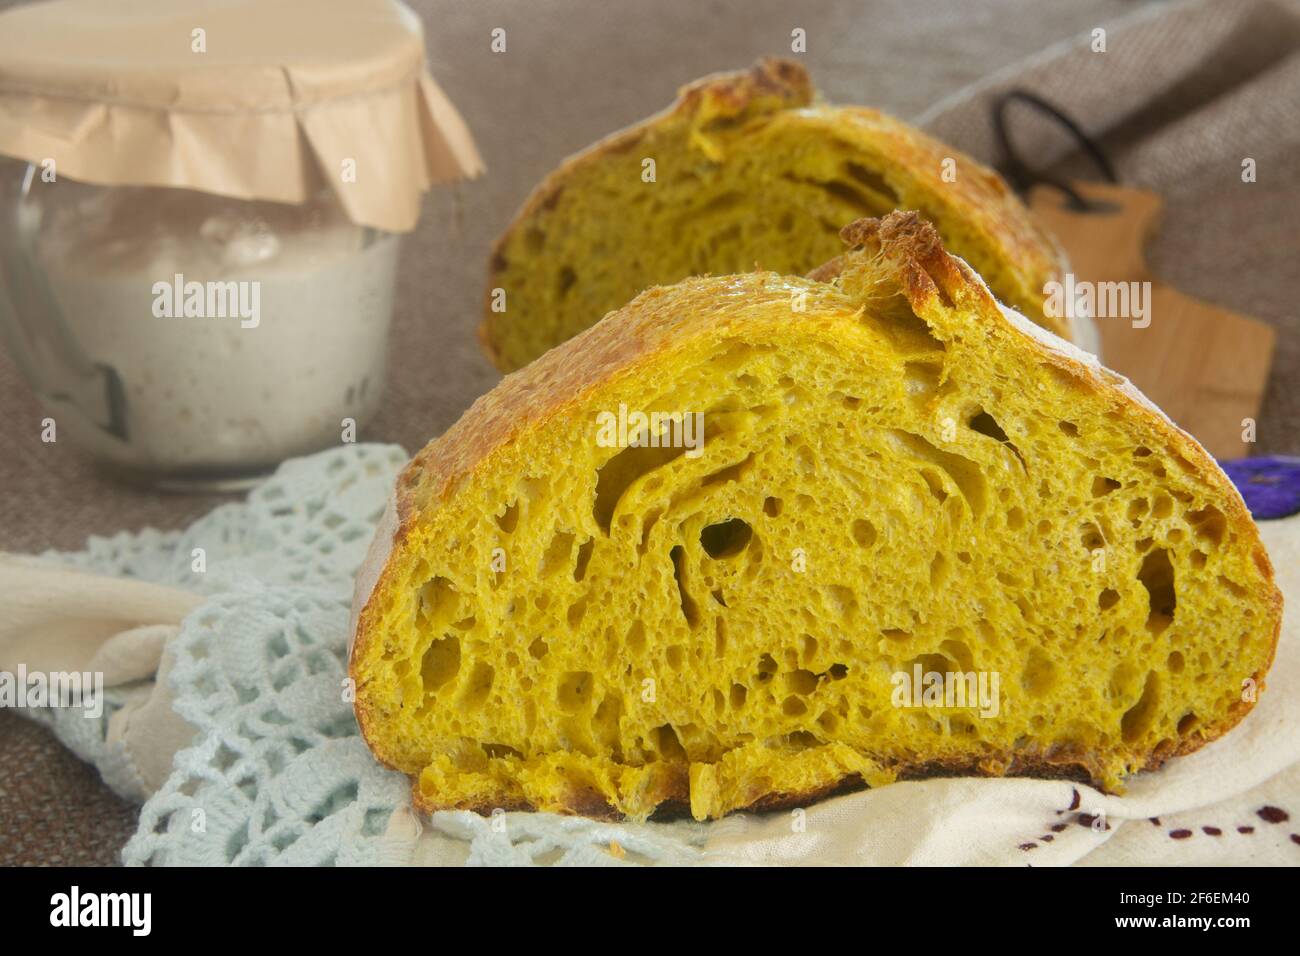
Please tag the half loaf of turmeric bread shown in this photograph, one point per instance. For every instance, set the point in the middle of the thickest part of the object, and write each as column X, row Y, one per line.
column 746, row 170
column 755, row 538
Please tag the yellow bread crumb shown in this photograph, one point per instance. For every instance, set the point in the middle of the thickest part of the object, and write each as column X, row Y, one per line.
column 897, row 479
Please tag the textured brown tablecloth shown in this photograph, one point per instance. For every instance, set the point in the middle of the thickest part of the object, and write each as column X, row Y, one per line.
column 574, row 70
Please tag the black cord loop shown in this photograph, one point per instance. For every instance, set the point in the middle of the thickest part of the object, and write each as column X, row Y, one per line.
column 1021, row 174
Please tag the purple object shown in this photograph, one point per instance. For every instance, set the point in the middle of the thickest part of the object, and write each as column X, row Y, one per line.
column 1270, row 485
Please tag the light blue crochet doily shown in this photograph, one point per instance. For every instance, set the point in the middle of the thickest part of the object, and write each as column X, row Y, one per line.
column 277, row 771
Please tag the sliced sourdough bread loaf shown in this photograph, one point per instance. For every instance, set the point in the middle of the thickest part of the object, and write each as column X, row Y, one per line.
column 750, row 171
column 892, row 478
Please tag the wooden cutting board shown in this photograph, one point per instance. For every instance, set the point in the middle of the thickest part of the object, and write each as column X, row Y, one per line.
column 1205, row 366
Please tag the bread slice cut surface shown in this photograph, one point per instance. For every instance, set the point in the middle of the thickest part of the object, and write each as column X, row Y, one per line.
column 746, row 170
column 756, row 538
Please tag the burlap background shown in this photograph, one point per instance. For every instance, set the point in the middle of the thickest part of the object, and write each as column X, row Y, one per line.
column 576, row 69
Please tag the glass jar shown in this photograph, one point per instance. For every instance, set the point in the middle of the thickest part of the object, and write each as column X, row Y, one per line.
column 189, row 339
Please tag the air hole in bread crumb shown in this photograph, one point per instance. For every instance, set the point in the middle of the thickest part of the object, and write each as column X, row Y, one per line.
column 935, row 483
column 584, row 558
column 1067, row 378
column 437, row 598
column 689, row 609
column 956, row 650
column 606, row 722
column 875, row 182
column 508, row 519
column 772, row 507
column 576, row 611
column 1235, row 589
column 557, row 554
column 910, row 332
column 667, row 743
column 1039, row 673
column 986, row 424
column 1176, row 663
column 1107, row 599
column 726, row 539
column 1102, row 486
column 1138, row 719
column 938, row 571
column 478, row 687
column 636, row 637
column 1157, row 576
column 921, row 379
column 441, row 662
column 802, row 682
column 1091, row 537
column 809, row 649
column 574, row 691
column 1069, row 428
column 1209, row 523
column 619, row 473
column 801, row 740
column 719, row 702
column 840, row 600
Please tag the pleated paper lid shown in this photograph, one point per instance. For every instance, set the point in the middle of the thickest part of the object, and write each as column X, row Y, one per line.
column 254, row 99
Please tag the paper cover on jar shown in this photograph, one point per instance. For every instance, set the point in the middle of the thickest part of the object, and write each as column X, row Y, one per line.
column 243, row 98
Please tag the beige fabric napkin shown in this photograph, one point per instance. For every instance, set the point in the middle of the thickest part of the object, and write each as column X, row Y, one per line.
column 59, row 620
column 1206, row 806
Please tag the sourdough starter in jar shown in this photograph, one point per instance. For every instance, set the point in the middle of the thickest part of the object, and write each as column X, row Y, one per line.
column 212, row 392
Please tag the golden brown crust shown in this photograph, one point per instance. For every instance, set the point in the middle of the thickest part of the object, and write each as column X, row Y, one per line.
column 676, row 803
column 560, row 379
column 977, row 195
